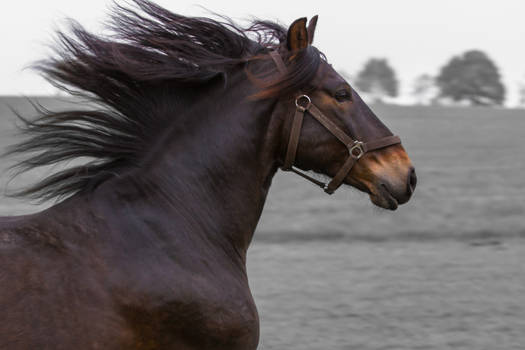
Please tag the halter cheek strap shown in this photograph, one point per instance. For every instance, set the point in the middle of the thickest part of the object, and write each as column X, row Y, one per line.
column 356, row 149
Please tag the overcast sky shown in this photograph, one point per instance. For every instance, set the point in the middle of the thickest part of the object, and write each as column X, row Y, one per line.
column 416, row 36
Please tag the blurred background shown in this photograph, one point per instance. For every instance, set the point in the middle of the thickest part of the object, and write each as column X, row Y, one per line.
column 446, row 270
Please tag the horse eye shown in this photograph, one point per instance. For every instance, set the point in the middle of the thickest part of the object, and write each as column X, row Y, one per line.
column 343, row 95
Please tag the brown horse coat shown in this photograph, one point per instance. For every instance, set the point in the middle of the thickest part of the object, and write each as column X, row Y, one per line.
column 149, row 250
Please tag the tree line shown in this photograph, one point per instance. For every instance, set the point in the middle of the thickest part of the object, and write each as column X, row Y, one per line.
column 471, row 77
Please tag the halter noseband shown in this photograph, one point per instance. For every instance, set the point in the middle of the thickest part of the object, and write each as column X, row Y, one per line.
column 356, row 149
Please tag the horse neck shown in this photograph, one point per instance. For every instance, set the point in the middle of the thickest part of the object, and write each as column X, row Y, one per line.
column 212, row 174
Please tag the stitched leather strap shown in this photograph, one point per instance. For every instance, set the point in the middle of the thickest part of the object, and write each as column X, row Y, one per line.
column 356, row 149
column 278, row 60
column 309, row 178
column 330, row 125
column 338, row 179
column 381, row 143
column 293, row 141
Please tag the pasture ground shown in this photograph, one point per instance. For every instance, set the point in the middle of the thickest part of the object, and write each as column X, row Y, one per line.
column 445, row 271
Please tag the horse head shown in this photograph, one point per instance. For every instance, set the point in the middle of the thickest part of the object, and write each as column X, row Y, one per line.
column 333, row 132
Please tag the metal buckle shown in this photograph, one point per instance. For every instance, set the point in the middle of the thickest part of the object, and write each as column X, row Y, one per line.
column 301, row 107
column 356, row 146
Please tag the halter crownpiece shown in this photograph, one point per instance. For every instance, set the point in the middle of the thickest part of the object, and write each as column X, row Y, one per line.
column 356, row 149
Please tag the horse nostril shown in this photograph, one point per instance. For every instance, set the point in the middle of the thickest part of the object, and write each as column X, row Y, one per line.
column 412, row 181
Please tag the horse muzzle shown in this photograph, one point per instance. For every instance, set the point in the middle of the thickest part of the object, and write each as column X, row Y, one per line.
column 389, row 193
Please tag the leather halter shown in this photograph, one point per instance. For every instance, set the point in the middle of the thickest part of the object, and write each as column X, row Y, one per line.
column 356, row 149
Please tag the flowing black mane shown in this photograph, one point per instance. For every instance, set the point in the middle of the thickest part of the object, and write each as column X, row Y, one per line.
column 136, row 77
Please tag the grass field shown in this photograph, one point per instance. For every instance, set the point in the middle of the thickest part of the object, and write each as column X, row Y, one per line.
column 445, row 271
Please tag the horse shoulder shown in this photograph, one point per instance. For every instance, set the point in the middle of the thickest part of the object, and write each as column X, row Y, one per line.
column 202, row 306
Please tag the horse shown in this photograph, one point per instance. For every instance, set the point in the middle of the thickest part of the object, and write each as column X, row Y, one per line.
column 187, row 120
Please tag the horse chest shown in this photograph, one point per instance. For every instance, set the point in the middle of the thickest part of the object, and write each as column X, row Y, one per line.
column 192, row 311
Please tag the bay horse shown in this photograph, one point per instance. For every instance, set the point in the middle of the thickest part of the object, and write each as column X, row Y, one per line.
column 188, row 121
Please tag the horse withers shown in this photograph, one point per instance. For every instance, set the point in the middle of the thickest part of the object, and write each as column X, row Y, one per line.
column 192, row 118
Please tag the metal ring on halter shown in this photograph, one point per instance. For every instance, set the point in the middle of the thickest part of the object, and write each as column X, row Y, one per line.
column 299, row 106
column 357, row 145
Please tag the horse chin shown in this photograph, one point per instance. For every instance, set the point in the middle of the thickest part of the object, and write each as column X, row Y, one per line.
column 384, row 200
column 379, row 195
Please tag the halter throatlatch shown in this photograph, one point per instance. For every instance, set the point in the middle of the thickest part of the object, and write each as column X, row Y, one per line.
column 356, row 149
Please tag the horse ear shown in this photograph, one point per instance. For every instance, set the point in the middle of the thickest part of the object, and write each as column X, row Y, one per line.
column 297, row 38
column 311, row 28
